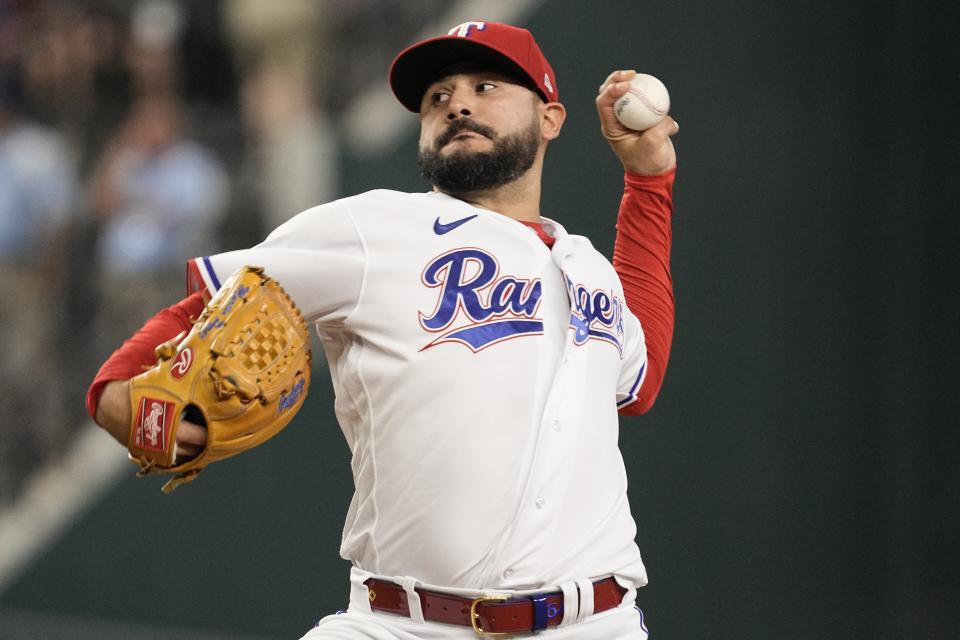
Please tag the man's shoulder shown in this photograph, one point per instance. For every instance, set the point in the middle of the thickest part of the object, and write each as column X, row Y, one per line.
column 385, row 206
column 379, row 196
column 367, row 201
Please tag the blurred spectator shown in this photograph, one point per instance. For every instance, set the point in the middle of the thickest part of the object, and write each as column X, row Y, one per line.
column 151, row 53
column 37, row 182
column 74, row 75
column 38, row 188
column 159, row 196
column 282, row 49
column 157, row 193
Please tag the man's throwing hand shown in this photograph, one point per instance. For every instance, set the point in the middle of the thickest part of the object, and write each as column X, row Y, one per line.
column 646, row 153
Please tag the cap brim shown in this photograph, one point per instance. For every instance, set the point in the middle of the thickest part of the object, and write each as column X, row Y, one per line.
column 415, row 68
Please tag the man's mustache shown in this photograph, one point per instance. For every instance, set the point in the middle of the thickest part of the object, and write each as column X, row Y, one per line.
column 459, row 126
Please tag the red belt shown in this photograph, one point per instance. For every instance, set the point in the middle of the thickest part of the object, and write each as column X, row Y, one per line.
column 489, row 614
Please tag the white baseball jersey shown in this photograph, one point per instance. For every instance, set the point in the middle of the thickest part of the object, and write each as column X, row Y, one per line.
column 477, row 376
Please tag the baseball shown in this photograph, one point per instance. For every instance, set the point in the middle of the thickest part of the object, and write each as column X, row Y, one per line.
column 644, row 105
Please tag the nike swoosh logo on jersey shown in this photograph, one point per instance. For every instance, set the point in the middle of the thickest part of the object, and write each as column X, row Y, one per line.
column 439, row 228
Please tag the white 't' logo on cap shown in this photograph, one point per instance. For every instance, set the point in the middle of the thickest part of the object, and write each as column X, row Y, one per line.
column 546, row 83
column 463, row 30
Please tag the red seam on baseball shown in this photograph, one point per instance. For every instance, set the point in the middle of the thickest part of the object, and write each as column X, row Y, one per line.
column 646, row 102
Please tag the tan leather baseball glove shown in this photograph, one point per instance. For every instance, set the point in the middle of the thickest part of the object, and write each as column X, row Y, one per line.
column 243, row 371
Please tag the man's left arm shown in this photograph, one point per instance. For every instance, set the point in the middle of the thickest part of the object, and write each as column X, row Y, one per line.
column 641, row 254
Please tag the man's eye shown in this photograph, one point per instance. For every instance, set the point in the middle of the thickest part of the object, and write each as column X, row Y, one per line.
column 485, row 86
column 439, row 98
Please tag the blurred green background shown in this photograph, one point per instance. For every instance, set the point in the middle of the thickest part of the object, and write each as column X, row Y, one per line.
column 798, row 475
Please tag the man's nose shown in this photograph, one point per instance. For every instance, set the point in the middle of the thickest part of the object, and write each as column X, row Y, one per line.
column 463, row 112
column 459, row 105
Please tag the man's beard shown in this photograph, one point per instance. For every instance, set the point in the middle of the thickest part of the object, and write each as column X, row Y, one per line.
column 467, row 172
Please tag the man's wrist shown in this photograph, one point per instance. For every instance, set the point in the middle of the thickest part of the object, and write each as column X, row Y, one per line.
column 113, row 410
column 643, row 178
column 660, row 185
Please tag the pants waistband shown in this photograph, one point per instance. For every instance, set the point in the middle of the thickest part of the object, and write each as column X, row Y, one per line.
column 488, row 612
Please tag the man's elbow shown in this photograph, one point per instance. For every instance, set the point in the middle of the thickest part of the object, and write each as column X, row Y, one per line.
column 639, row 406
column 649, row 390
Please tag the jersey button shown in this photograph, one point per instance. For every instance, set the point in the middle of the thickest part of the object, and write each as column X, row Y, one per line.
column 557, row 425
column 540, row 501
column 508, row 573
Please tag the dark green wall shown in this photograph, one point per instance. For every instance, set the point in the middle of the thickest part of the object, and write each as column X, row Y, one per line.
column 798, row 476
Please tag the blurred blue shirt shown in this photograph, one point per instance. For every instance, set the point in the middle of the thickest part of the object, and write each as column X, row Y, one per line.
column 172, row 200
column 38, row 190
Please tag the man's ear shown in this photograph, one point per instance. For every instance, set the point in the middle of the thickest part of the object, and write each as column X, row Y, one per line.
column 552, row 115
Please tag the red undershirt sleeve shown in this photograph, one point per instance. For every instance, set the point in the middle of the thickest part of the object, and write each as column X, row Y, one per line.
column 138, row 351
column 641, row 257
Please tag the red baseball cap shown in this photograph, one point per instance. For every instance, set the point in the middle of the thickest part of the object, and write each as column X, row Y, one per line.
column 501, row 46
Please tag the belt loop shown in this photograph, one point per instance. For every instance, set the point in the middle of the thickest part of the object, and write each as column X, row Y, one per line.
column 570, row 603
column 540, row 614
column 413, row 598
column 359, row 591
column 585, row 587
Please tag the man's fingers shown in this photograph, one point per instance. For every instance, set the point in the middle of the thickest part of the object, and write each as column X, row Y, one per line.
column 617, row 76
column 188, row 450
column 191, row 439
column 610, row 92
column 665, row 128
column 648, row 152
column 191, row 434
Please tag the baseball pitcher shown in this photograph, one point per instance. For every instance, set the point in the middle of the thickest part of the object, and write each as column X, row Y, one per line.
column 479, row 352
